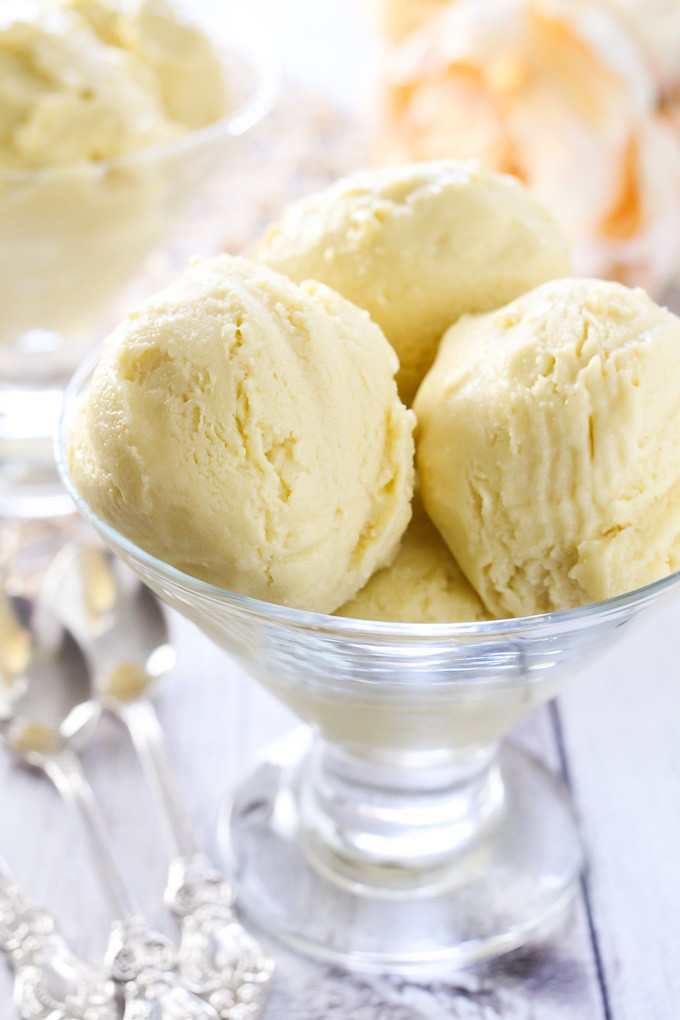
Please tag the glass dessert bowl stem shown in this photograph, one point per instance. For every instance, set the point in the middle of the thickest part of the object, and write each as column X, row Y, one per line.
column 415, row 860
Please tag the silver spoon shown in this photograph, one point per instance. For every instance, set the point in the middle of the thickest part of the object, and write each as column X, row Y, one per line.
column 50, row 981
column 46, row 713
column 121, row 626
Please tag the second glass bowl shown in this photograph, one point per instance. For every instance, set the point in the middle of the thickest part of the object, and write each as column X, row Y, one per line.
column 74, row 240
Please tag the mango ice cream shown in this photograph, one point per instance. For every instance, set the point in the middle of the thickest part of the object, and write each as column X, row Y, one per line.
column 418, row 246
column 423, row 584
column 246, row 428
column 248, row 431
column 549, row 446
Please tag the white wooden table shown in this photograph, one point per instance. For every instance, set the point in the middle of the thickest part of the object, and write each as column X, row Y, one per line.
column 614, row 735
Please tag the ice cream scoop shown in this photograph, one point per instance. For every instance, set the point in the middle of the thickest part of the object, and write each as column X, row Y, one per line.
column 185, row 65
column 417, row 246
column 423, row 584
column 248, row 430
column 96, row 79
column 548, row 446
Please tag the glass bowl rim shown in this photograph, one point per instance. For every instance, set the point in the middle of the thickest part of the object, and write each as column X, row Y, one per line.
column 266, row 64
column 581, row 616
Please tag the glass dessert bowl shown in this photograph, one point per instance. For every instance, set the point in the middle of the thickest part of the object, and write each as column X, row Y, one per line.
column 80, row 241
column 397, row 830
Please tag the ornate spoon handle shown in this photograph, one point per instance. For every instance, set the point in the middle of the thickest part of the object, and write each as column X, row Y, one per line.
column 141, row 960
column 218, row 959
column 144, row 963
column 51, row 982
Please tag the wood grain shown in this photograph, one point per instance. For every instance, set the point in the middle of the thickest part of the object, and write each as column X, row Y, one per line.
column 215, row 719
column 621, row 734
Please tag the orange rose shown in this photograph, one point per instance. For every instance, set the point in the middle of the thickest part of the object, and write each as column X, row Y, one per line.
column 557, row 93
column 656, row 26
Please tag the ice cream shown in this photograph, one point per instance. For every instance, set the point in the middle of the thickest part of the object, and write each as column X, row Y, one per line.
column 94, row 79
column 248, row 431
column 560, row 94
column 188, row 72
column 417, row 246
column 88, row 88
column 548, row 446
column 424, row 584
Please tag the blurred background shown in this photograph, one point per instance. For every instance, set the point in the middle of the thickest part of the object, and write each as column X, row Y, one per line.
column 577, row 98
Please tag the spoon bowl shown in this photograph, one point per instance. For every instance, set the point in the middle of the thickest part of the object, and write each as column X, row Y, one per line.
column 46, row 701
column 118, row 621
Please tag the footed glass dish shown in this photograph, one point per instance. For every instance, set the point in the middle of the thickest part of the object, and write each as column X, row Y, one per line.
column 80, row 241
column 397, row 830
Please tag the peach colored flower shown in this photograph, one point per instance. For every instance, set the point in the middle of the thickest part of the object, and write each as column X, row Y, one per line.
column 557, row 93
column 396, row 18
column 656, row 26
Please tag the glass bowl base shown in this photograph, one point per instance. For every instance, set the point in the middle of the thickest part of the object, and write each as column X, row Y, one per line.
column 29, row 480
column 509, row 886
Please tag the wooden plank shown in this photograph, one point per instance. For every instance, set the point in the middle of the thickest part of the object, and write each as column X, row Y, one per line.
column 556, row 980
column 230, row 718
column 621, row 731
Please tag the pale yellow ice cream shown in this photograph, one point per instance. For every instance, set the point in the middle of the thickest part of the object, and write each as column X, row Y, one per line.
column 188, row 72
column 65, row 95
column 549, row 446
column 418, row 246
column 248, row 431
column 96, row 79
column 87, row 89
column 424, row 584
